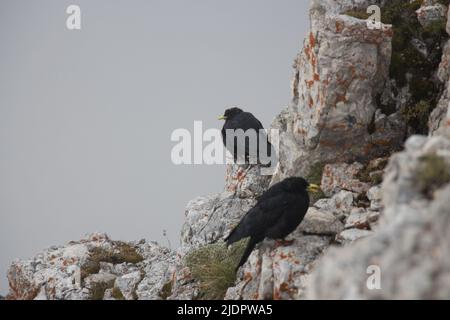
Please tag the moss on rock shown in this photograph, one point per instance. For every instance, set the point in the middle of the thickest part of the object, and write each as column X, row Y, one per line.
column 409, row 66
column 120, row 252
column 117, row 294
column 166, row 290
column 432, row 173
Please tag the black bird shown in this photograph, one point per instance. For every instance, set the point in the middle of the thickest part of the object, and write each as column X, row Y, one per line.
column 235, row 119
column 277, row 213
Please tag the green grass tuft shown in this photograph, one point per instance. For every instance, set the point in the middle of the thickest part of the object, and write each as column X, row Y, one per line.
column 213, row 267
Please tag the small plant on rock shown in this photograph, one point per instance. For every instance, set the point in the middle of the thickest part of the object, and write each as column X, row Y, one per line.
column 214, row 267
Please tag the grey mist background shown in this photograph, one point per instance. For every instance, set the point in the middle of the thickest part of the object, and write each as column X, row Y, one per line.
column 86, row 116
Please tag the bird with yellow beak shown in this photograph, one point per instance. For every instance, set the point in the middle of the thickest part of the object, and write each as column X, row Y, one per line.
column 237, row 119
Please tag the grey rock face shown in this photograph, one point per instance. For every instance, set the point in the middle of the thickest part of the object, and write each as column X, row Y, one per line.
column 98, row 283
column 127, row 284
column 431, row 12
column 359, row 218
column 90, row 269
column 278, row 272
column 333, row 116
column 157, row 272
column 439, row 121
column 410, row 248
column 351, row 235
column 211, row 218
column 320, row 223
column 340, row 176
column 340, row 204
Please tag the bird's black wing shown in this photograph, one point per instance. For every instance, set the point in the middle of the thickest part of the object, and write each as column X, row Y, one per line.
column 244, row 121
column 247, row 121
column 260, row 218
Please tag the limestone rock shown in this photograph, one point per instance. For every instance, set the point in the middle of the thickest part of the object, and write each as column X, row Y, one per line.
column 86, row 269
column 351, row 235
column 374, row 195
column 211, row 218
column 430, row 13
column 246, row 181
column 358, row 218
column 320, row 223
column 98, row 283
column 333, row 116
column 410, row 248
column 340, row 204
column 127, row 284
column 342, row 176
column 278, row 272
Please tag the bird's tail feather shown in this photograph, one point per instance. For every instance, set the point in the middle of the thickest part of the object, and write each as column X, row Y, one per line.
column 232, row 237
column 248, row 250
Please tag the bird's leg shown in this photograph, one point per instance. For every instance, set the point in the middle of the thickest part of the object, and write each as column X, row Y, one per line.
column 283, row 242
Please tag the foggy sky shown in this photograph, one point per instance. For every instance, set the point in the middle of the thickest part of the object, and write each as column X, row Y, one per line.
column 86, row 116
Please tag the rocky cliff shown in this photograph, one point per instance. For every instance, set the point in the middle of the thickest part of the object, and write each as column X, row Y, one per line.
column 369, row 120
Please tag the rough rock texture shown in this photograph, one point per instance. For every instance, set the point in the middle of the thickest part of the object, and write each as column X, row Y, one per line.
column 411, row 246
column 87, row 268
column 333, row 133
column 278, row 272
column 440, row 117
column 210, row 218
column 340, row 176
column 338, row 74
column 431, row 11
column 320, row 223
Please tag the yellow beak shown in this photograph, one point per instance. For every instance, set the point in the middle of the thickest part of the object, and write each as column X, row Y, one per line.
column 313, row 188
column 222, row 118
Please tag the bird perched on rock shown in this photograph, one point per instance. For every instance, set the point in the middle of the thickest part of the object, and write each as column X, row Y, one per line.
column 277, row 213
column 236, row 119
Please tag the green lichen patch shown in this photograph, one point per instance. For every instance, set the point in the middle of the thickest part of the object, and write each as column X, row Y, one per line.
column 214, row 267
column 432, row 173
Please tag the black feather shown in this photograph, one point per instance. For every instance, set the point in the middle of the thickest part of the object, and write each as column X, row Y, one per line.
column 277, row 213
column 238, row 119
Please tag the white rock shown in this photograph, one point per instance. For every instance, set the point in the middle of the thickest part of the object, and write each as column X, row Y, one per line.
column 320, row 223
column 351, row 235
column 127, row 284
